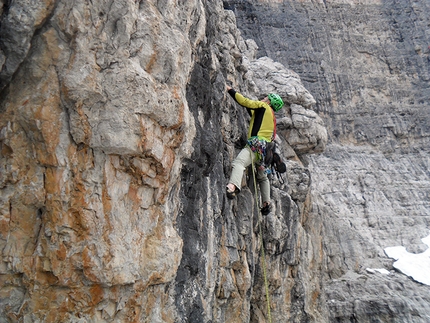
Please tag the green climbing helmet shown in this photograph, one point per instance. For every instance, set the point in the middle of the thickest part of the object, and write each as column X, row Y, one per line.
column 275, row 101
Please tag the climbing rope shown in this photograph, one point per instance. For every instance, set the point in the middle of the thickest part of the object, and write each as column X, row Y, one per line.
column 263, row 256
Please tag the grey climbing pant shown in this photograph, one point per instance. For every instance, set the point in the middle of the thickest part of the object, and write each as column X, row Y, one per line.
column 242, row 161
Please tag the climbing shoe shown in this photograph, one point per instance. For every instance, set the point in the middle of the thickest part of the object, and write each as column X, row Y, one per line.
column 232, row 194
column 266, row 209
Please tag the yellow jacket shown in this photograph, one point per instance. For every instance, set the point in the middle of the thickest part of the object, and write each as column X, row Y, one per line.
column 262, row 122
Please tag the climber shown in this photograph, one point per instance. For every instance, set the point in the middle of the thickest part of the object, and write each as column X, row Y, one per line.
column 262, row 130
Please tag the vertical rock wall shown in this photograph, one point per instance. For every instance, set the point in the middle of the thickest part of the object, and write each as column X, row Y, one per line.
column 220, row 278
column 367, row 63
column 94, row 121
column 116, row 138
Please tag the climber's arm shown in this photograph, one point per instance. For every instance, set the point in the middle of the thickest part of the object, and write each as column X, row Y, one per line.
column 247, row 103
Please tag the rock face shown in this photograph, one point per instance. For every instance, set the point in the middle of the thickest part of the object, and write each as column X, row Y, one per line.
column 116, row 139
column 367, row 63
column 116, row 143
column 93, row 127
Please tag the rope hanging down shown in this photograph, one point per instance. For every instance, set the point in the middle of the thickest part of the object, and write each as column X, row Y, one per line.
column 263, row 256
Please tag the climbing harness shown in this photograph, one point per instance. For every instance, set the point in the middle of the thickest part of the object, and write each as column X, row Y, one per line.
column 258, row 146
column 263, row 256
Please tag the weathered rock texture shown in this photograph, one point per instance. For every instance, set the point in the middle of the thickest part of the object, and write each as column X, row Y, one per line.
column 367, row 63
column 116, row 138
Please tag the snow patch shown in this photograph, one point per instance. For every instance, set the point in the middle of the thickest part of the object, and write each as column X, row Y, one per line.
column 378, row 270
column 416, row 266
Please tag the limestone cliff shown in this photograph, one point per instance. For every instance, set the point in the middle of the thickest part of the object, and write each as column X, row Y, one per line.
column 116, row 138
column 367, row 63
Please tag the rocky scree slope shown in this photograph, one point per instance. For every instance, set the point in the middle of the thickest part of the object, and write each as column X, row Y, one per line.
column 116, row 138
column 367, row 63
